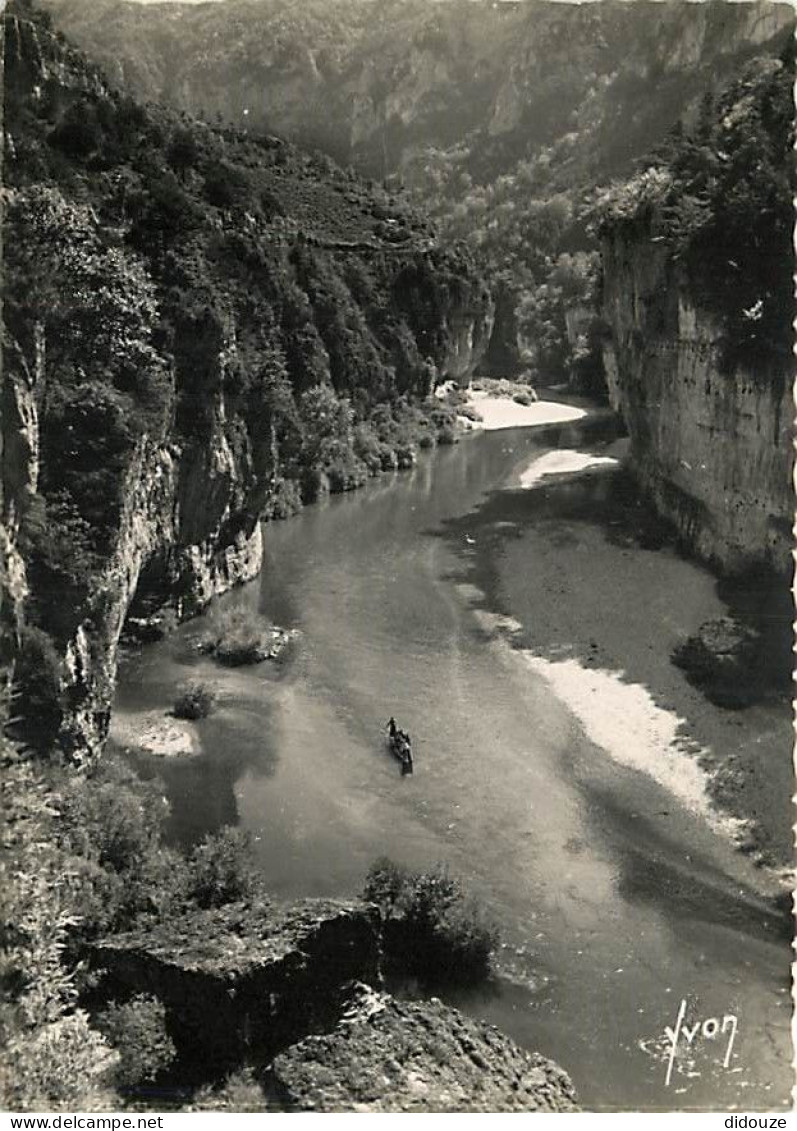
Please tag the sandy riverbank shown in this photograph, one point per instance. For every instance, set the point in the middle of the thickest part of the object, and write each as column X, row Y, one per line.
column 601, row 628
column 502, row 412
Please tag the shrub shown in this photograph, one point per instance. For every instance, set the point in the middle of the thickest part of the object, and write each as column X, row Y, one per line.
column 195, row 701
column 221, row 870
column 239, row 1092
column 241, row 638
column 522, row 398
column 406, row 456
column 63, row 1065
column 367, row 447
column 285, row 500
column 52, row 1056
column 387, row 457
column 346, row 473
column 432, row 930
column 314, row 485
column 38, row 675
column 137, row 1030
column 110, row 832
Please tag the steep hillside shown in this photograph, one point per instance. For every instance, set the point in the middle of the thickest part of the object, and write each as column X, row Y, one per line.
column 199, row 328
column 698, row 300
column 500, row 118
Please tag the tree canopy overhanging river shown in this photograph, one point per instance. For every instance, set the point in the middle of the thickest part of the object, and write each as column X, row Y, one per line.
column 496, row 601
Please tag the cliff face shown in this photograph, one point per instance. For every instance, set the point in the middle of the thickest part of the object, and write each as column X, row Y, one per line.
column 287, row 989
column 698, row 298
column 713, row 448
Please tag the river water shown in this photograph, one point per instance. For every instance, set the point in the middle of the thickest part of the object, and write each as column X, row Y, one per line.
column 547, row 778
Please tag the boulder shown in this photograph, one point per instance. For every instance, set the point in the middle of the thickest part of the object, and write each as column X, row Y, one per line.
column 396, row 1056
column 721, row 660
column 242, row 982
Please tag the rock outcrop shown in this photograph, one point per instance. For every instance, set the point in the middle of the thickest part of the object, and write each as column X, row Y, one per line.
column 241, row 983
column 714, row 449
column 397, row 1056
column 288, row 990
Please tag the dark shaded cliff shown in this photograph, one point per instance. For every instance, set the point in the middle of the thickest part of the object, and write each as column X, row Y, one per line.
column 198, row 325
column 698, row 300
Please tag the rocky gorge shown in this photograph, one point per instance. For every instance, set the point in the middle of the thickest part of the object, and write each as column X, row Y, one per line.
column 207, row 327
column 550, row 124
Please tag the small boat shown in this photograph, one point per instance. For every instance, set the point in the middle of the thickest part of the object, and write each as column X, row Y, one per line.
column 400, row 746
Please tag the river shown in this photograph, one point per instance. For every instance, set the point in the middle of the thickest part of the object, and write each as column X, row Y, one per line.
column 550, row 773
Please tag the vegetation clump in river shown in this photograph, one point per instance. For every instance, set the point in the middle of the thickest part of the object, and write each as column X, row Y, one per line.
column 195, row 701
column 241, row 638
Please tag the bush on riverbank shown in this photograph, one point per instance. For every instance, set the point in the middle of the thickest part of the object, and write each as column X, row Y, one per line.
column 195, row 701
column 433, row 931
column 221, row 870
column 342, row 448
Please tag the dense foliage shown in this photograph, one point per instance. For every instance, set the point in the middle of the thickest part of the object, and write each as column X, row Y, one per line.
column 719, row 197
column 433, row 931
column 84, row 857
column 195, row 701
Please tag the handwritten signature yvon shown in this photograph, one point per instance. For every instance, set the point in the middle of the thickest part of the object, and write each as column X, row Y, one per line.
column 711, row 1029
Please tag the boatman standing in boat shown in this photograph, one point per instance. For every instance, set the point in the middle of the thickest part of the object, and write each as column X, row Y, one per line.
column 391, row 727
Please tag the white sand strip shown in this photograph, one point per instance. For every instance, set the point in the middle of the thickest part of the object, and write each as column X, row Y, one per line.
column 563, row 462
column 151, row 732
column 503, row 412
column 620, row 717
column 623, row 719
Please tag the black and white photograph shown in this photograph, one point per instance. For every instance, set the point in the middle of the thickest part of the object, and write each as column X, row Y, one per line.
column 397, row 437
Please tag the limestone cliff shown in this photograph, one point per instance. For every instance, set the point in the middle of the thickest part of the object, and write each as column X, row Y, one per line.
column 713, row 448
column 287, row 989
column 698, row 302
column 242, row 982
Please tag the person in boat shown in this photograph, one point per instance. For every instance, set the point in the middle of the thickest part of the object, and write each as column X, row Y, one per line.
column 392, row 730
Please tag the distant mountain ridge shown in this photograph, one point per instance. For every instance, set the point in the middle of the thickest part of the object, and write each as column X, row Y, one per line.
column 514, row 78
column 501, row 120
